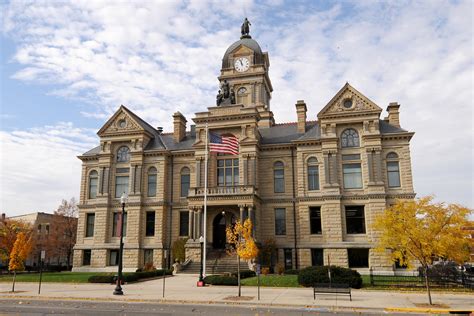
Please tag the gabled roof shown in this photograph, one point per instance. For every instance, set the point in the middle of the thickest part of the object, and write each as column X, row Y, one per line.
column 334, row 107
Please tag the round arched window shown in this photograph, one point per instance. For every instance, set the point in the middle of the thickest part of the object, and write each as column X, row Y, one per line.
column 350, row 138
column 123, row 154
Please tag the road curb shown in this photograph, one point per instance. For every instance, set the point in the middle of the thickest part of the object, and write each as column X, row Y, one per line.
column 237, row 303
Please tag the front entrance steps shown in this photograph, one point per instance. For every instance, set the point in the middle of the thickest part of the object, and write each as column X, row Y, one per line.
column 218, row 262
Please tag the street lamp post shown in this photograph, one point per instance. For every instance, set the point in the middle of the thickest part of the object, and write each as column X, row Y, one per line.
column 201, row 280
column 118, row 288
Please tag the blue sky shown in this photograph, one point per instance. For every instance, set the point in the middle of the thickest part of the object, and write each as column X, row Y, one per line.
column 67, row 66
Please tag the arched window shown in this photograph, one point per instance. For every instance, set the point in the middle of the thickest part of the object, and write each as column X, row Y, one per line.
column 152, row 175
column 279, row 177
column 185, row 181
column 393, row 170
column 350, row 138
column 93, row 181
column 313, row 174
column 123, row 154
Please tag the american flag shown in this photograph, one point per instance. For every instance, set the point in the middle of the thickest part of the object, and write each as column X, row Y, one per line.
column 226, row 144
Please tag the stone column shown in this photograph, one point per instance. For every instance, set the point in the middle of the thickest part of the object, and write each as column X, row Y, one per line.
column 199, row 224
column 378, row 166
column 191, row 224
column 334, row 168
column 246, row 170
column 198, row 173
column 196, row 225
column 241, row 207
column 370, row 161
column 252, row 218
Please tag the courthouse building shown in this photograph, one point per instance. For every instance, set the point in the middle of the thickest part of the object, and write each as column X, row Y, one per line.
column 314, row 187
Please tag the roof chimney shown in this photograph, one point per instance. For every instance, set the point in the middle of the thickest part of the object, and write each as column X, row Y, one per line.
column 301, row 114
column 159, row 129
column 179, row 131
column 3, row 217
column 393, row 114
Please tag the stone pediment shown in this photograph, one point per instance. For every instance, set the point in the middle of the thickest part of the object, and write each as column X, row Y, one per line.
column 122, row 122
column 349, row 101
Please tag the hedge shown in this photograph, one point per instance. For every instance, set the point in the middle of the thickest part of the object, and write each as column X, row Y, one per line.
column 245, row 274
column 292, row 271
column 312, row 275
column 129, row 277
column 220, row 280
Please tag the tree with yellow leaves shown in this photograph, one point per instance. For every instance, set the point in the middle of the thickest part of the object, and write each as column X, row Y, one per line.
column 9, row 230
column 421, row 230
column 242, row 243
column 21, row 249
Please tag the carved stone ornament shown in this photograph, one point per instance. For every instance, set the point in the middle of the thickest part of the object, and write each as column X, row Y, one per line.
column 122, row 123
column 342, row 104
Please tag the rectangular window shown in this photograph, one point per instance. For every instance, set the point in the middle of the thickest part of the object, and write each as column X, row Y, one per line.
column 355, row 220
column 317, row 258
column 280, row 221
column 121, row 185
column 288, row 254
column 86, row 257
column 90, row 219
column 358, row 257
column 151, row 185
column 113, row 257
column 150, row 224
column 185, row 184
column 313, row 178
column 93, row 181
column 227, row 172
column 393, row 174
column 315, row 220
column 116, row 224
column 352, row 176
column 183, row 223
column 148, row 256
column 279, row 180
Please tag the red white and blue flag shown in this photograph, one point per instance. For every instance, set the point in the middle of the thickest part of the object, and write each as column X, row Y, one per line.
column 226, row 144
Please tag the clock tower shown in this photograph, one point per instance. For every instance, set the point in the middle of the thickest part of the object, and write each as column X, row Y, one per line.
column 245, row 71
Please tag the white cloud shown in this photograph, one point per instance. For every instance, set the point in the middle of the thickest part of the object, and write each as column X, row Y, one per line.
column 40, row 167
column 156, row 57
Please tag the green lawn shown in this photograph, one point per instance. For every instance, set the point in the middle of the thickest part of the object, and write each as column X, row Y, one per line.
column 63, row 277
column 273, row 280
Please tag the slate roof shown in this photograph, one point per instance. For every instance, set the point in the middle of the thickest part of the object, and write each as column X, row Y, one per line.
column 277, row 134
column 248, row 42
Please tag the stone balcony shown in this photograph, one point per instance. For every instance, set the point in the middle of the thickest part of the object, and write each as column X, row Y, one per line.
column 237, row 190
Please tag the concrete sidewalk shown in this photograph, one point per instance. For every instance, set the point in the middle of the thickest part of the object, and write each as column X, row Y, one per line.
column 182, row 289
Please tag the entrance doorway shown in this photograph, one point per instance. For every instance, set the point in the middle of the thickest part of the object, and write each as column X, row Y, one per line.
column 218, row 232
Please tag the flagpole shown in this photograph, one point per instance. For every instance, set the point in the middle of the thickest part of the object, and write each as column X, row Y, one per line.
column 205, row 203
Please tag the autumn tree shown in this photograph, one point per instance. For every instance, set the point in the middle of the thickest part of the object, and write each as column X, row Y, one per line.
column 21, row 249
column 241, row 243
column 9, row 230
column 62, row 235
column 421, row 230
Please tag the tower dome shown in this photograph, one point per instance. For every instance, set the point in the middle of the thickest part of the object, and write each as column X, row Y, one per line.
column 246, row 41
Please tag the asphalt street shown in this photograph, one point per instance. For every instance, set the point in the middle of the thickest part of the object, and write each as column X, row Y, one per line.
column 57, row 307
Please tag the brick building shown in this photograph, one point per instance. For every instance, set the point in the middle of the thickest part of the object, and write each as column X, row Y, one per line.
column 312, row 186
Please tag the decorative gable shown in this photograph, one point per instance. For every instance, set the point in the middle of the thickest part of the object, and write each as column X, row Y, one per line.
column 122, row 122
column 349, row 101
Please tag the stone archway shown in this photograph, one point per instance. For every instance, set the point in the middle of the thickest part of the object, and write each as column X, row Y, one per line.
column 219, row 224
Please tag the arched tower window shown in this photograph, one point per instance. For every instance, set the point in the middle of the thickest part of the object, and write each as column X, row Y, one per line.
column 349, row 138
column 185, row 181
column 93, row 181
column 279, row 177
column 393, row 170
column 152, row 177
column 123, row 154
column 313, row 174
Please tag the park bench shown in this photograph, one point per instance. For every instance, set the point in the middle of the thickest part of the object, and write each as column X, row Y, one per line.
column 327, row 288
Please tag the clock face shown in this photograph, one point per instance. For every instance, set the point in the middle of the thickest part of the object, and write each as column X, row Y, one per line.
column 241, row 64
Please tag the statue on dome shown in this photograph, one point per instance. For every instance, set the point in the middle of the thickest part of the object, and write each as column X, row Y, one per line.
column 245, row 29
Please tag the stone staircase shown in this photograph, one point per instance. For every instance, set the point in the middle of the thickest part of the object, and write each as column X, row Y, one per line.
column 218, row 262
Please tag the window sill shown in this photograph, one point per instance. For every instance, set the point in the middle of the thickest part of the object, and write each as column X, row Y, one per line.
column 316, row 235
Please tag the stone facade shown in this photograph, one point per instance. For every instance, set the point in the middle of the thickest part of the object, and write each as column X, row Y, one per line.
column 326, row 179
